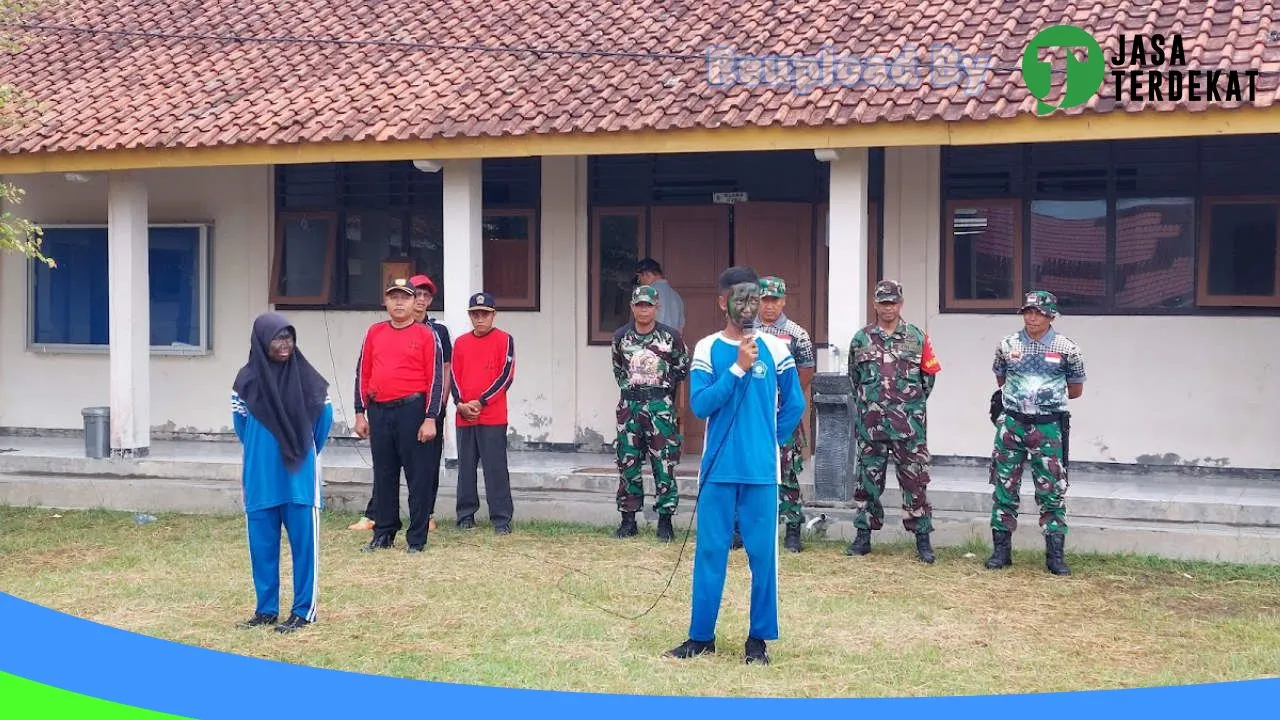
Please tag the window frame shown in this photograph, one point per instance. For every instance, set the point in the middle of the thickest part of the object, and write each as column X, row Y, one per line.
column 596, row 336
column 204, row 270
column 533, row 301
column 1203, row 166
column 324, row 299
column 950, row 303
column 1204, row 230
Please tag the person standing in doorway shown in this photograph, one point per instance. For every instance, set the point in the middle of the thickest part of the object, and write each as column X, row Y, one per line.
column 282, row 414
column 670, row 305
column 893, row 370
column 484, row 366
column 402, row 385
column 746, row 386
column 649, row 361
column 773, row 302
column 1037, row 370
column 424, row 291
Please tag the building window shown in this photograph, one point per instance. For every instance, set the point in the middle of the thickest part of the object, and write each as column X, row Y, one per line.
column 1115, row 227
column 617, row 236
column 1238, row 253
column 336, row 224
column 984, row 253
column 69, row 305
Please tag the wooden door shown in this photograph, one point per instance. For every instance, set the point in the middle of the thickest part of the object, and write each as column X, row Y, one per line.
column 777, row 239
column 692, row 244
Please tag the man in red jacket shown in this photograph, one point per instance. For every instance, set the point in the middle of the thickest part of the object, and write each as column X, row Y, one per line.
column 484, row 364
column 401, row 383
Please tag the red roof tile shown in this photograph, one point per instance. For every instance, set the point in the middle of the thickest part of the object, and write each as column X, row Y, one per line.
column 102, row 91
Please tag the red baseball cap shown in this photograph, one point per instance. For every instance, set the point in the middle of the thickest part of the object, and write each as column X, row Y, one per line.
column 418, row 281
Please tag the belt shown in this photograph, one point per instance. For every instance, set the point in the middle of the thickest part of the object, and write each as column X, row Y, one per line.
column 416, row 397
column 644, row 394
column 1035, row 419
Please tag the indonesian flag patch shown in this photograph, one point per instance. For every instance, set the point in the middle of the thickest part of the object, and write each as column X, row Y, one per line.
column 1053, row 358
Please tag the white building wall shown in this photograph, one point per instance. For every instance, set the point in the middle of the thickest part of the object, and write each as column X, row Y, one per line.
column 1184, row 390
column 47, row 390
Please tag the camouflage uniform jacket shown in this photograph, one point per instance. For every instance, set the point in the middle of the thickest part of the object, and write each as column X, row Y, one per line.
column 1037, row 372
column 657, row 359
column 788, row 331
column 893, row 375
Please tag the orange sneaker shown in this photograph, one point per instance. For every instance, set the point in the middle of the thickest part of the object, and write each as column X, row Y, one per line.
column 363, row 523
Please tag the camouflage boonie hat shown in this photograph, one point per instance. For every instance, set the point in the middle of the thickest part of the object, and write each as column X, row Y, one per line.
column 889, row 291
column 773, row 286
column 644, row 294
column 1042, row 300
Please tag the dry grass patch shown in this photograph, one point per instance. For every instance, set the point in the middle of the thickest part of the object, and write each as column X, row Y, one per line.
column 525, row 610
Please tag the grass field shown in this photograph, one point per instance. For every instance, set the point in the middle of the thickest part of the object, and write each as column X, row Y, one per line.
column 520, row 610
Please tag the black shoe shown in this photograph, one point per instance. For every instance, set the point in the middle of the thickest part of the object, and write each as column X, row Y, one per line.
column 1053, row 559
column 756, row 652
column 503, row 529
column 259, row 619
column 293, row 623
column 692, row 648
column 737, row 539
column 792, row 541
column 665, row 532
column 627, row 528
column 413, row 549
column 466, row 523
column 1002, row 550
column 379, row 543
column 861, row 544
column 924, row 550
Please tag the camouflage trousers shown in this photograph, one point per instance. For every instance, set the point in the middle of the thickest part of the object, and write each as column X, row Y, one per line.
column 1041, row 446
column 647, row 429
column 789, row 508
column 911, row 460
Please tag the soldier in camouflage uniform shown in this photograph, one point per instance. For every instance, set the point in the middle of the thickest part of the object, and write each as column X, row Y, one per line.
column 773, row 300
column 649, row 362
column 1038, row 369
column 893, row 370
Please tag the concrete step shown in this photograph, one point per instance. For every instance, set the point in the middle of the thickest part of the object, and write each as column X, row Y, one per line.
column 590, row 501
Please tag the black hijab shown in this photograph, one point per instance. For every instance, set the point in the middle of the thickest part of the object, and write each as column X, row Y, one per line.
column 286, row 397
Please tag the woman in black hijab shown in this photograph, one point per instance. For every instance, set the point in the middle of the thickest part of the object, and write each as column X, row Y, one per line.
column 282, row 415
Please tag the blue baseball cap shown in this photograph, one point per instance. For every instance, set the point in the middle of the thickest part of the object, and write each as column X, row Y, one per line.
column 482, row 301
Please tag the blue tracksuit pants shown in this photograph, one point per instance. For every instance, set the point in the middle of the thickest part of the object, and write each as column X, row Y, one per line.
column 302, row 524
column 756, row 506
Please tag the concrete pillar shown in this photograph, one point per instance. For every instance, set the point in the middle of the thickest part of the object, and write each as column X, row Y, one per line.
column 563, row 205
column 463, row 256
column 129, row 307
column 912, row 190
column 847, row 291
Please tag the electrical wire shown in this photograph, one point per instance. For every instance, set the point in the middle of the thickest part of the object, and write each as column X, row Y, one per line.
column 739, row 393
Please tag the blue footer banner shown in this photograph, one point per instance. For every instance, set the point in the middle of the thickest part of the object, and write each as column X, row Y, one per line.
column 55, row 665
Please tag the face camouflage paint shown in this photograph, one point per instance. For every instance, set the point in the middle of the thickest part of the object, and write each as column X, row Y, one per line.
column 743, row 305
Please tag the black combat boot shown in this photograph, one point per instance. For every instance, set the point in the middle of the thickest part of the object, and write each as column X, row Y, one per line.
column 861, row 545
column 628, row 526
column 665, row 533
column 1002, row 554
column 792, row 541
column 923, row 549
column 1053, row 559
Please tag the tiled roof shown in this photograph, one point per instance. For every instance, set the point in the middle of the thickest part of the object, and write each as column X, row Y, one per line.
column 100, row 91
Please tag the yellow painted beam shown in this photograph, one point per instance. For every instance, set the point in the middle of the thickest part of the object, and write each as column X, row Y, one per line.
column 1023, row 129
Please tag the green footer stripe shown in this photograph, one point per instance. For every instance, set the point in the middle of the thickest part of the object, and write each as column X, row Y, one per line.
column 21, row 699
